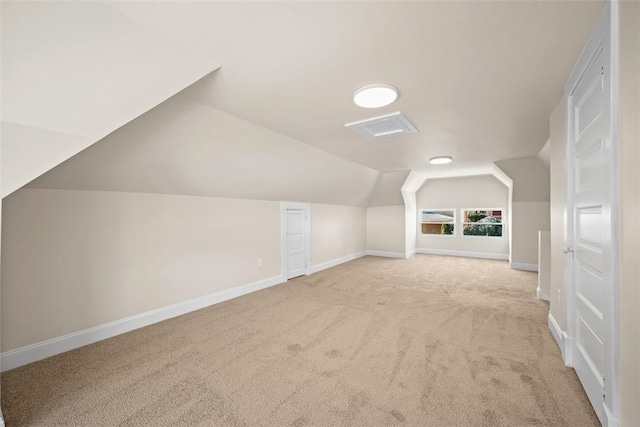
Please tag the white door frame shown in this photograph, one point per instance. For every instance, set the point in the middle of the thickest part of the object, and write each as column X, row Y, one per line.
column 283, row 236
column 609, row 18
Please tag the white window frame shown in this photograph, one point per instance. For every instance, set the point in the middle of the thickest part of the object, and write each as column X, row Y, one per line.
column 455, row 222
column 471, row 236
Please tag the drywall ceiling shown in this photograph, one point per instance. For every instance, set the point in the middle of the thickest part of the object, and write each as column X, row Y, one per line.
column 72, row 72
column 388, row 191
column 185, row 147
column 478, row 79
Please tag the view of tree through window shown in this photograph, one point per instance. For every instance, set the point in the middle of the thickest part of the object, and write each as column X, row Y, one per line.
column 440, row 222
column 482, row 222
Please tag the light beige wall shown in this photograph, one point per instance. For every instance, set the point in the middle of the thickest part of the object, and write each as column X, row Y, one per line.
column 386, row 229
column 388, row 190
column 483, row 191
column 411, row 231
column 73, row 259
column 557, row 202
column 337, row 231
column 1, row 416
column 530, row 178
column 629, row 128
column 527, row 219
column 531, row 195
column 544, row 257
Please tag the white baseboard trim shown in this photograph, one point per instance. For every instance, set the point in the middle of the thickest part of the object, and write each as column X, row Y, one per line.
column 524, row 266
column 337, row 261
column 466, row 254
column 568, row 349
column 387, row 254
column 410, row 253
column 541, row 295
column 556, row 332
column 609, row 419
column 32, row 353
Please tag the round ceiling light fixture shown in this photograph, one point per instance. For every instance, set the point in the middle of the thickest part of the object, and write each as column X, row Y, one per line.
column 375, row 95
column 440, row 160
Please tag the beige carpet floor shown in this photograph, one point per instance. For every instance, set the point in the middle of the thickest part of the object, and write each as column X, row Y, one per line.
column 428, row 341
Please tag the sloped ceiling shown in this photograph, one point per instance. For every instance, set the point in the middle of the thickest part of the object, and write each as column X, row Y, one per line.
column 72, row 72
column 186, row 147
column 478, row 78
column 388, row 191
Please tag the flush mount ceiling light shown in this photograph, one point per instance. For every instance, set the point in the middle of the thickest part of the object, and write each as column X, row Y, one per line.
column 440, row 160
column 375, row 95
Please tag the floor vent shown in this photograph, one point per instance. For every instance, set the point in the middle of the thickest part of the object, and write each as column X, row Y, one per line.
column 383, row 127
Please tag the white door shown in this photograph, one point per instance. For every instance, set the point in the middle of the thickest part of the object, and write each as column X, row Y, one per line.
column 590, row 227
column 296, row 245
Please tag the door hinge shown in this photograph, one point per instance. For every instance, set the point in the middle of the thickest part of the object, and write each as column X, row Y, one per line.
column 602, row 79
column 604, row 389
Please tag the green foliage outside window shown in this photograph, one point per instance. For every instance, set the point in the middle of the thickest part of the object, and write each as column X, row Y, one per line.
column 490, row 226
column 446, row 229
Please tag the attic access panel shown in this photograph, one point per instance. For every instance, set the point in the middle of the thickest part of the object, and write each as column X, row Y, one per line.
column 383, row 127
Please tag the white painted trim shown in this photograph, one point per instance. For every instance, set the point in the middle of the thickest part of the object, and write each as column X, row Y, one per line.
column 604, row 36
column 1, row 419
column 541, row 295
column 332, row 263
column 467, row 254
column 387, row 254
column 556, row 332
column 411, row 253
column 502, row 224
column 32, row 353
column 568, row 349
column 455, row 222
column 523, row 266
column 609, row 419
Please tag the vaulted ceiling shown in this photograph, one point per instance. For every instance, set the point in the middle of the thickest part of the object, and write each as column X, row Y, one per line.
column 477, row 78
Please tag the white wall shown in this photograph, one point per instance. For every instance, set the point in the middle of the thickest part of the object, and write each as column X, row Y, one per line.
column 557, row 203
column 629, row 127
column 386, row 229
column 411, row 231
column 483, row 191
column 337, row 231
column 75, row 259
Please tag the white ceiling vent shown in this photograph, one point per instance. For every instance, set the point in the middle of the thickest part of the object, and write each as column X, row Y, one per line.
column 383, row 127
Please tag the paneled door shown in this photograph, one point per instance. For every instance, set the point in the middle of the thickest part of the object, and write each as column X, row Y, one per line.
column 591, row 204
column 295, row 239
column 296, row 254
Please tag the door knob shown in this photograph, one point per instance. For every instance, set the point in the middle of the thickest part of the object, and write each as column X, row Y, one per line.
column 567, row 249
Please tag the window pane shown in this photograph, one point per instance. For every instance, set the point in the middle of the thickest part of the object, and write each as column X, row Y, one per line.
column 438, row 217
column 446, row 229
column 482, row 229
column 437, row 222
column 483, row 217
